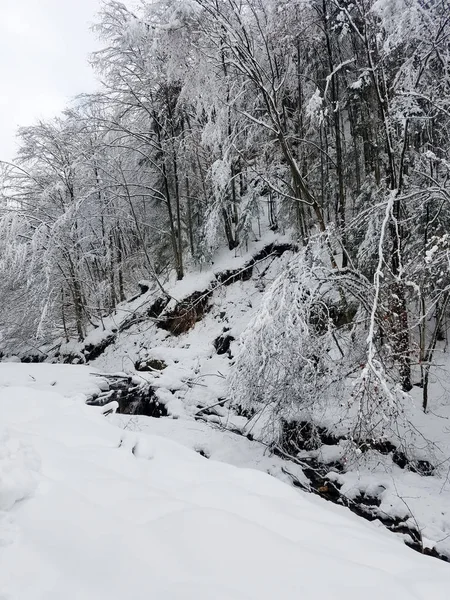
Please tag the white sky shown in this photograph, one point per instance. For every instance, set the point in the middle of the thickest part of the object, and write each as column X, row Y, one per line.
column 44, row 45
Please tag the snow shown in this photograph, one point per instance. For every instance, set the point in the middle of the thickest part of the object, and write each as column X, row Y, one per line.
column 314, row 107
column 214, row 442
column 99, row 512
column 197, row 280
column 18, row 471
column 191, row 357
column 357, row 85
column 196, row 376
column 67, row 380
column 424, row 502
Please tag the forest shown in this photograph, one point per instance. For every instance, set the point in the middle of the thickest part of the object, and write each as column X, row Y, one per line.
column 225, row 306
column 326, row 121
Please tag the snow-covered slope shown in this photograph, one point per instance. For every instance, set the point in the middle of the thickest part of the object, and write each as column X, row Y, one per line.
column 94, row 512
column 195, row 377
column 196, row 373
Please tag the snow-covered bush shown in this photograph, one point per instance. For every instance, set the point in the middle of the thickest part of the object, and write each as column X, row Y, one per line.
column 305, row 358
column 290, row 360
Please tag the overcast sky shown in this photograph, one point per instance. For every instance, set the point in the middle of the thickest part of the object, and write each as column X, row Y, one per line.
column 44, row 45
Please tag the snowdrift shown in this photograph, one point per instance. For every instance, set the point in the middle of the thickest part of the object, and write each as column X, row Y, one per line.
column 90, row 511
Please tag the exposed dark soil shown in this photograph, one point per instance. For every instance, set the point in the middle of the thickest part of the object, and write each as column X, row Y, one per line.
column 132, row 399
column 150, row 364
column 222, row 343
column 93, row 351
column 186, row 313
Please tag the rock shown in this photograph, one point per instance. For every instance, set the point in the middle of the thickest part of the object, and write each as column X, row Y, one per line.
column 222, row 343
column 150, row 364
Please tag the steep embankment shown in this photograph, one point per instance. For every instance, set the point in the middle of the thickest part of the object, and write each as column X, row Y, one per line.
column 175, row 353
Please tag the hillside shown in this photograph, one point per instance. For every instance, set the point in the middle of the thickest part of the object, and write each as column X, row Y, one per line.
column 236, row 250
column 409, row 494
column 179, row 377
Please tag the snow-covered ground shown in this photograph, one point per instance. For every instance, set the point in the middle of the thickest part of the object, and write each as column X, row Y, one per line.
column 195, row 377
column 91, row 511
column 68, row 380
column 196, row 374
